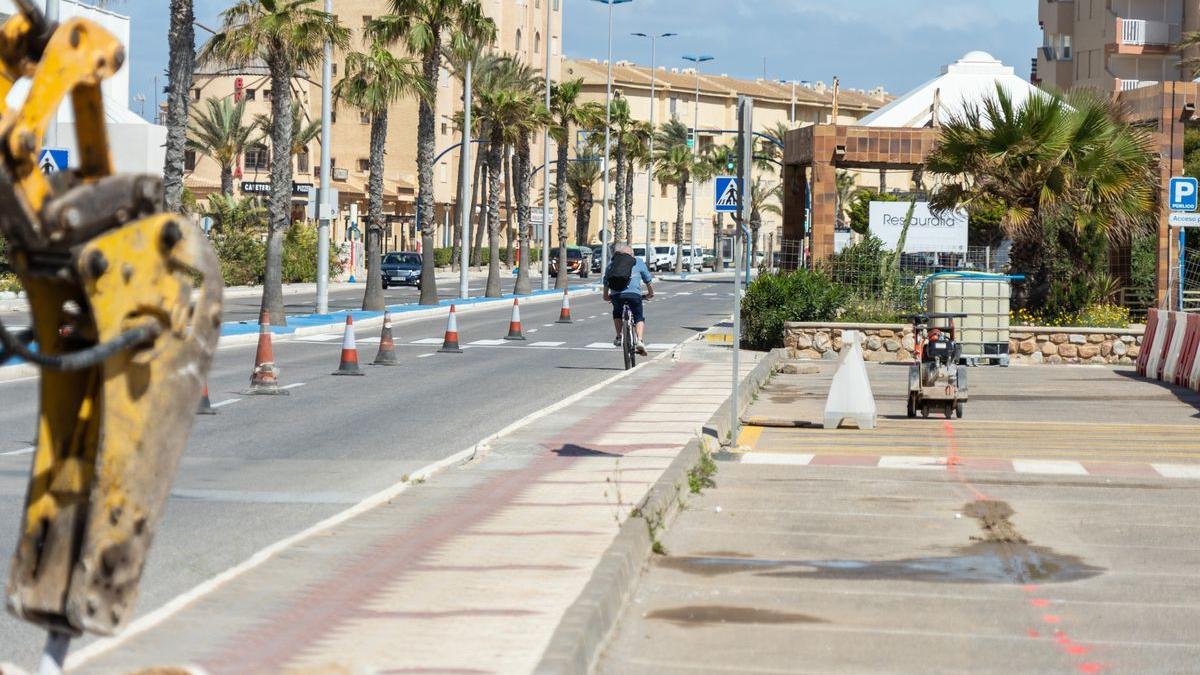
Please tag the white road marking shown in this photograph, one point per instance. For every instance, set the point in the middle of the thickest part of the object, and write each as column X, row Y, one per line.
column 1177, row 470
column 425, row 356
column 547, row 344
column 320, row 338
column 488, row 343
column 21, row 451
column 226, row 402
column 684, row 293
column 776, row 459
column 428, row 341
column 547, row 325
column 659, row 347
column 532, row 330
column 903, row 462
column 294, row 386
column 601, row 345
column 1049, row 466
column 708, row 295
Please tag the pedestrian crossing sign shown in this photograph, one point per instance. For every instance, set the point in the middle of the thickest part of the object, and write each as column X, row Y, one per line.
column 726, row 194
column 52, row 160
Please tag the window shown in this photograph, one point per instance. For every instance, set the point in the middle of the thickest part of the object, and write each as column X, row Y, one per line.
column 537, row 43
column 266, row 94
column 251, row 94
column 189, row 160
column 366, row 20
column 442, row 172
column 364, row 165
column 445, row 129
column 196, row 94
column 364, row 117
column 674, row 107
column 333, row 69
column 1064, row 47
column 257, row 158
column 662, row 187
column 556, row 5
column 302, row 161
column 333, row 116
column 517, row 49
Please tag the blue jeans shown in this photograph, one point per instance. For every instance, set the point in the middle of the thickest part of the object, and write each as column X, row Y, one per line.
column 634, row 302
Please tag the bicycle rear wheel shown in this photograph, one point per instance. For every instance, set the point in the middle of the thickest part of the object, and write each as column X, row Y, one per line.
column 628, row 343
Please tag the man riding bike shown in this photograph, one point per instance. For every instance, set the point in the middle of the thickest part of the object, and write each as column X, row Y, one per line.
column 623, row 287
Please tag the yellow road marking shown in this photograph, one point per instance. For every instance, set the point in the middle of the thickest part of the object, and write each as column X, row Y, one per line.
column 749, row 436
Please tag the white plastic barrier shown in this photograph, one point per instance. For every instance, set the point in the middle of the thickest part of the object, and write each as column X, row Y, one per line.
column 1156, row 349
column 1175, row 350
column 1193, row 381
column 850, row 396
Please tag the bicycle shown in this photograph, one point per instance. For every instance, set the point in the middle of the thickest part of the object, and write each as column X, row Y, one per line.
column 629, row 338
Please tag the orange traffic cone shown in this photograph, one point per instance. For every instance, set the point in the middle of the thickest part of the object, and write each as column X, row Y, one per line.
column 265, row 379
column 387, row 346
column 349, row 363
column 206, row 404
column 514, row 325
column 450, row 343
column 564, row 314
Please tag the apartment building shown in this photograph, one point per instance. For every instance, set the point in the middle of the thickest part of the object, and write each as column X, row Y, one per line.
column 522, row 30
column 1112, row 45
column 775, row 103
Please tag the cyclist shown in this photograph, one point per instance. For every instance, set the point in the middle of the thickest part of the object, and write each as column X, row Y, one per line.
column 623, row 286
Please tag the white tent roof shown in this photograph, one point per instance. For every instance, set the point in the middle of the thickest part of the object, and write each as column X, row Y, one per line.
column 966, row 82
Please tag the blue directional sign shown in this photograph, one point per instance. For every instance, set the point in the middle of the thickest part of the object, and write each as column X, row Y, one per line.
column 53, row 160
column 726, row 193
column 1184, row 194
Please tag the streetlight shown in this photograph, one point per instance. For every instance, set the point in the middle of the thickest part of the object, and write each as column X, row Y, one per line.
column 325, row 214
column 650, row 165
column 607, row 139
column 696, row 59
column 793, row 114
column 546, row 161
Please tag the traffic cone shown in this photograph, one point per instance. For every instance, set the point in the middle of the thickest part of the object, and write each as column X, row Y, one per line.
column 564, row 314
column 514, row 325
column 206, row 404
column 265, row 378
column 450, row 343
column 349, row 363
column 387, row 347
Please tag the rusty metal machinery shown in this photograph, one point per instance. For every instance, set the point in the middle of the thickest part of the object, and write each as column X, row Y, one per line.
column 126, row 305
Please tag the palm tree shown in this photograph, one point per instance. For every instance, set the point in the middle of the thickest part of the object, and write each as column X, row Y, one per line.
column 219, row 133
column 620, row 121
column 567, row 113
column 675, row 165
column 845, row 185
column 581, row 178
column 181, row 43
column 287, row 35
column 1052, row 164
column 468, row 53
column 764, row 198
column 426, row 28
column 637, row 153
column 304, row 131
column 525, row 81
column 500, row 108
column 374, row 80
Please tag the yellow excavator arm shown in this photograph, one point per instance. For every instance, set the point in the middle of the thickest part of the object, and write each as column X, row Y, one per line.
column 126, row 306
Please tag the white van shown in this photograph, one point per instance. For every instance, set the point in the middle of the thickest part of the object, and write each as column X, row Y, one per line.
column 693, row 258
column 664, row 258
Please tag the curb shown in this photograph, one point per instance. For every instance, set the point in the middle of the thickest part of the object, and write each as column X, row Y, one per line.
column 587, row 623
column 717, row 427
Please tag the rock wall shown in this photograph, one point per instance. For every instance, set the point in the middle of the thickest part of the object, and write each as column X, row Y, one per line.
column 1028, row 345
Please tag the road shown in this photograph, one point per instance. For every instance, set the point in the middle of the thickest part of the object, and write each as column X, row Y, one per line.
column 267, row 467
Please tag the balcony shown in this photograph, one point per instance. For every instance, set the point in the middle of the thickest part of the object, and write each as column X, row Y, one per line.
column 1143, row 36
column 1130, row 85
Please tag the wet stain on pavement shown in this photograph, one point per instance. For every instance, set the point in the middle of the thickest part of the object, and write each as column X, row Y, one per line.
column 999, row 555
column 704, row 615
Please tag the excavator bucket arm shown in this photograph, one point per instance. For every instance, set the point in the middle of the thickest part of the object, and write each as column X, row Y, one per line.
column 126, row 305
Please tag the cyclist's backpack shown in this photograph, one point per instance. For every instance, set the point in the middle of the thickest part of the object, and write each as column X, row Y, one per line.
column 620, row 272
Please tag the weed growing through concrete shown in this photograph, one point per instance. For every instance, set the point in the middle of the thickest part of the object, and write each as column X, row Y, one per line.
column 700, row 477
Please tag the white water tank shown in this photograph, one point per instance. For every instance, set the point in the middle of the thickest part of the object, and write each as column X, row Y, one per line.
column 983, row 334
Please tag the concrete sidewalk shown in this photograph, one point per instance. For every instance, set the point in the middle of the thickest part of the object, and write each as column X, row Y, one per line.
column 1039, row 535
column 470, row 570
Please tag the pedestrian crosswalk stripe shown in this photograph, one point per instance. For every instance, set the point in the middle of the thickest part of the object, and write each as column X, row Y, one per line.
column 428, row 341
column 1051, row 466
column 321, row 338
column 487, row 343
column 547, row 344
column 659, row 347
column 601, row 345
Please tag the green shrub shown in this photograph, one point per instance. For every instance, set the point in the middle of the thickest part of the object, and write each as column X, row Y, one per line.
column 9, row 283
column 242, row 255
column 773, row 299
column 300, row 255
column 442, row 256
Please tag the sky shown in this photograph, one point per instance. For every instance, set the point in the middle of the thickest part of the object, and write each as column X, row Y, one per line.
column 894, row 43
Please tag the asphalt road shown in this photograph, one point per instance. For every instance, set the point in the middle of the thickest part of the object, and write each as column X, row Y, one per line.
column 267, row 467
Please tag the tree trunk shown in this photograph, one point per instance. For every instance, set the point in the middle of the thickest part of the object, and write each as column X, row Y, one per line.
column 227, row 181
column 181, row 40
column 680, row 202
column 560, row 181
column 521, row 167
column 280, row 216
column 495, row 159
column 426, row 137
column 373, row 296
column 629, row 176
column 619, row 225
column 481, row 187
column 510, row 250
column 583, row 219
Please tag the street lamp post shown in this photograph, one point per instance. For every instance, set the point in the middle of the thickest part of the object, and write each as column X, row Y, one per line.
column 696, row 59
column 650, row 165
column 607, row 139
column 546, row 159
column 465, row 189
column 325, row 213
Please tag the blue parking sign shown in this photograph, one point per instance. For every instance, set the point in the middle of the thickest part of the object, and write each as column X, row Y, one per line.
column 1184, row 193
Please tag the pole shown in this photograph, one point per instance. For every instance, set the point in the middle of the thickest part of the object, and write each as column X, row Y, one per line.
column 465, row 196
column 324, row 201
column 745, row 162
column 54, row 654
column 546, row 163
column 695, row 149
column 650, row 164
column 1182, row 261
column 793, row 116
column 607, row 150
column 52, row 130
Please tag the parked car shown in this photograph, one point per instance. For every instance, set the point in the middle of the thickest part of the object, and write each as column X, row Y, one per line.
column 401, row 269
column 710, row 258
column 578, row 261
column 597, row 261
column 693, row 258
column 639, row 252
column 664, row 258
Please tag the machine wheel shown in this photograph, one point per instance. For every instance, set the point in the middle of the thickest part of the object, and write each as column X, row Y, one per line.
column 949, row 410
column 925, row 411
column 958, row 410
column 912, row 406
